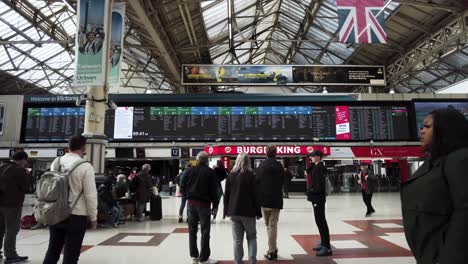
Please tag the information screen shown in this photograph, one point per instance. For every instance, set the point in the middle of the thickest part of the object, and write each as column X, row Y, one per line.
column 227, row 123
column 424, row 108
column 53, row 124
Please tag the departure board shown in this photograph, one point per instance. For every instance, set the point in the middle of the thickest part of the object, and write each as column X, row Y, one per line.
column 52, row 124
column 227, row 123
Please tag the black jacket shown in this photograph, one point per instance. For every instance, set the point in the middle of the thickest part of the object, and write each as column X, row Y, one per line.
column 270, row 178
column 144, row 187
column 317, row 190
column 201, row 184
column 240, row 197
column 14, row 184
column 221, row 174
column 371, row 182
column 435, row 210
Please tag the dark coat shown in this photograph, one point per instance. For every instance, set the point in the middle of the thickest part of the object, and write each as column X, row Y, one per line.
column 317, row 190
column 270, row 178
column 200, row 184
column 435, row 210
column 144, row 187
column 14, row 184
column 371, row 181
column 241, row 195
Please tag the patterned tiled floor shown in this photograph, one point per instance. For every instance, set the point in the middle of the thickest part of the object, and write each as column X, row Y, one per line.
column 355, row 238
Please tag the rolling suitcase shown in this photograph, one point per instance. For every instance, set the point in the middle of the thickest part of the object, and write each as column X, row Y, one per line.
column 155, row 208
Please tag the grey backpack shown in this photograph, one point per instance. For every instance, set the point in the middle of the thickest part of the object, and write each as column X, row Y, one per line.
column 52, row 206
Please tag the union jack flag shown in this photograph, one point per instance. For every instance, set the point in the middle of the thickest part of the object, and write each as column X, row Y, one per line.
column 361, row 21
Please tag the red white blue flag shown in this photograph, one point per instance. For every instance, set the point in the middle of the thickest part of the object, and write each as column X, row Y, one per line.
column 361, row 21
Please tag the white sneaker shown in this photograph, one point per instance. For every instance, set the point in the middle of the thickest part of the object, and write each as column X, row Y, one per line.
column 209, row 261
column 195, row 261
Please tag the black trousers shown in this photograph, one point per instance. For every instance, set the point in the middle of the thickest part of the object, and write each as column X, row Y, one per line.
column 202, row 215
column 67, row 235
column 10, row 218
column 321, row 221
column 367, row 198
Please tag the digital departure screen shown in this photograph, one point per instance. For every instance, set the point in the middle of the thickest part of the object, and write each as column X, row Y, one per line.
column 227, row 123
column 53, row 124
column 424, row 108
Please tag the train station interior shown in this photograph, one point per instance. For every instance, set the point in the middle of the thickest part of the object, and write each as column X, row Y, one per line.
column 155, row 91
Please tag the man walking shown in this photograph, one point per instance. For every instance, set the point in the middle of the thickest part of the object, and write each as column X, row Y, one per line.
column 270, row 177
column 316, row 194
column 200, row 187
column 14, row 184
column 367, row 181
column 68, row 235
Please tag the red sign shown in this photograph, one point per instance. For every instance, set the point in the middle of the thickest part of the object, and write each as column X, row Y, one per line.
column 343, row 131
column 261, row 150
column 332, row 152
column 393, row 152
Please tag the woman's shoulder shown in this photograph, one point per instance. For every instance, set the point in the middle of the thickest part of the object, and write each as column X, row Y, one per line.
column 458, row 155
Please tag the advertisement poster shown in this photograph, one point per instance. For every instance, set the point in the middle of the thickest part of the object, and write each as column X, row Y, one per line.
column 123, row 125
column 343, row 131
column 2, row 118
column 283, row 75
column 236, row 74
column 116, row 44
column 339, row 75
column 90, row 42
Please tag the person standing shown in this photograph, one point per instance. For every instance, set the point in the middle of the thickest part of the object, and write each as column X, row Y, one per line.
column 200, row 188
column 270, row 177
column 68, row 235
column 143, row 191
column 241, row 204
column 221, row 174
column 287, row 181
column 367, row 180
column 316, row 194
column 435, row 199
column 179, row 180
column 14, row 184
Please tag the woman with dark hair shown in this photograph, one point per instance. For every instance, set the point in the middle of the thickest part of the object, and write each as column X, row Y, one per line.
column 435, row 198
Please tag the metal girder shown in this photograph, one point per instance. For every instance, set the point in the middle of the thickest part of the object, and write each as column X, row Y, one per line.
column 159, row 39
column 448, row 8
column 37, row 18
column 424, row 51
column 309, row 17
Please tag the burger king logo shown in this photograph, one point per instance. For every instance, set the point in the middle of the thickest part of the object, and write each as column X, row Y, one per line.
column 227, row 149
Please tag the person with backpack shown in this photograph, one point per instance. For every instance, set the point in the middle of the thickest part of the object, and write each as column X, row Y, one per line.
column 14, row 184
column 110, row 205
column 316, row 194
column 68, row 235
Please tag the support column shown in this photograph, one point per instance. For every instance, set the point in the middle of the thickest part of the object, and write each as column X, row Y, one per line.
column 96, row 101
column 94, row 128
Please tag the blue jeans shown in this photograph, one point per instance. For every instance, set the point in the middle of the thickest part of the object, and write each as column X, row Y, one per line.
column 115, row 215
column 198, row 214
column 241, row 225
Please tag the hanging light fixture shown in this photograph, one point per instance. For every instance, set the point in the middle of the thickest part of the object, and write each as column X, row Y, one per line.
column 392, row 91
column 325, row 90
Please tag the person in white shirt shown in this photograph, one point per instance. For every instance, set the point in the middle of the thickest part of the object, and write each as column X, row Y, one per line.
column 68, row 235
